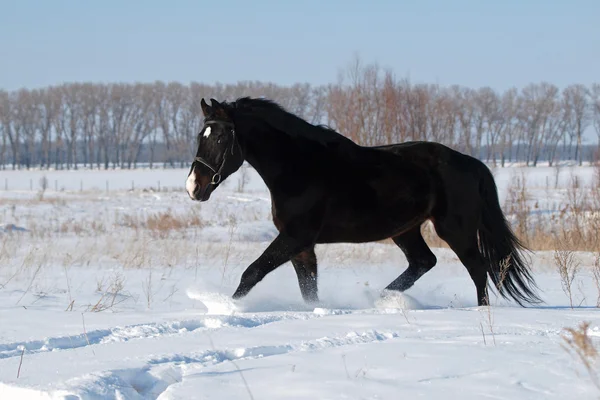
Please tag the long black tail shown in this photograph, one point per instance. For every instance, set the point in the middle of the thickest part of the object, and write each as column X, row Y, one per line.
column 501, row 249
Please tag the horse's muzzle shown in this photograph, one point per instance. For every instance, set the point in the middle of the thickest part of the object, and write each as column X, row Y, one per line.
column 202, row 193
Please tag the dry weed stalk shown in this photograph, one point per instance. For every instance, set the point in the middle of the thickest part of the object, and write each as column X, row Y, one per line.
column 243, row 180
column 482, row 333
column 43, row 187
column 489, row 320
column 41, row 263
column 557, row 169
column 109, row 296
column 20, row 363
column 568, row 267
column 30, row 257
column 86, row 335
column 516, row 204
column 576, row 206
column 232, row 228
column 67, row 261
column 148, row 291
column 137, row 254
column 581, row 344
column 489, row 316
column 596, row 275
column 597, row 173
column 232, row 360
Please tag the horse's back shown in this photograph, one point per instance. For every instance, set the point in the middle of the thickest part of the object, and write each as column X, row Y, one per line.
column 432, row 153
column 457, row 175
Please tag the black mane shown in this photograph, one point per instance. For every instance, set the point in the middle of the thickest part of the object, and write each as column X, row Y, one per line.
column 287, row 123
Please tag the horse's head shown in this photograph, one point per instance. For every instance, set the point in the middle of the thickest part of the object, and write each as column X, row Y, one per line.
column 218, row 155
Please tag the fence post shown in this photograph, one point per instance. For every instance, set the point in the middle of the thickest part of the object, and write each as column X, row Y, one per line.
column 107, row 186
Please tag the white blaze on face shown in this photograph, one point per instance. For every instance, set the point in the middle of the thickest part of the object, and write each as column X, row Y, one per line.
column 207, row 132
column 190, row 184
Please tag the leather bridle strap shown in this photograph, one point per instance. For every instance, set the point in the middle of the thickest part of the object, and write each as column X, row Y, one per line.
column 216, row 178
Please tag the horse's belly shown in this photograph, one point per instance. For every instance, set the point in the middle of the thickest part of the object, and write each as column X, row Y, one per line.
column 361, row 229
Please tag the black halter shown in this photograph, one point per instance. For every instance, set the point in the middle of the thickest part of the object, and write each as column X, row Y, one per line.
column 216, row 178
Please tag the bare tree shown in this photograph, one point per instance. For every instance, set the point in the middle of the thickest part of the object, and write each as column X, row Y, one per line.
column 121, row 104
column 465, row 99
column 356, row 108
column 595, row 112
column 576, row 99
column 67, row 125
column 483, row 108
column 534, row 114
column 495, row 123
column 49, row 105
column 123, row 124
column 28, row 115
column 510, row 105
column 316, row 112
column 165, row 112
column 555, row 128
column 140, row 123
column 157, row 113
column 15, row 115
column 90, row 101
column 4, row 125
column 547, row 107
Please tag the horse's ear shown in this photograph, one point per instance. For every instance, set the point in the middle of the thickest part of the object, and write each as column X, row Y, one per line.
column 218, row 109
column 206, row 109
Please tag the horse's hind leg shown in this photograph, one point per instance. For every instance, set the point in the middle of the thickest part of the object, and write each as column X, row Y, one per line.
column 463, row 242
column 305, row 265
column 419, row 256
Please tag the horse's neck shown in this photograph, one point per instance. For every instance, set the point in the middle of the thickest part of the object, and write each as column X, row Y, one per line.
column 265, row 164
column 268, row 151
column 267, row 154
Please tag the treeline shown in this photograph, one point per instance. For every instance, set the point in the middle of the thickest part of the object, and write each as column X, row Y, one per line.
column 121, row 125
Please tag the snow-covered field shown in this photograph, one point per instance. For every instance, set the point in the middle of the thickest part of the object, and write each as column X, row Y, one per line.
column 124, row 294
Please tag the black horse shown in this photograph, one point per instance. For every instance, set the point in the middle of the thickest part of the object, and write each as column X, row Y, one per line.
column 325, row 189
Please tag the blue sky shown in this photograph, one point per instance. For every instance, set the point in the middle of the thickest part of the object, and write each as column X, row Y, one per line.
column 473, row 43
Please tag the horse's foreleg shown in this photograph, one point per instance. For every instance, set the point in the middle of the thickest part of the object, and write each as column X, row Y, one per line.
column 281, row 250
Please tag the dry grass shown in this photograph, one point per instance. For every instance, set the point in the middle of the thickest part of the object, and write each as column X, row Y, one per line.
column 163, row 224
column 155, row 225
column 146, row 239
column 574, row 220
column 37, row 200
column 575, row 225
column 518, row 206
column 578, row 343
